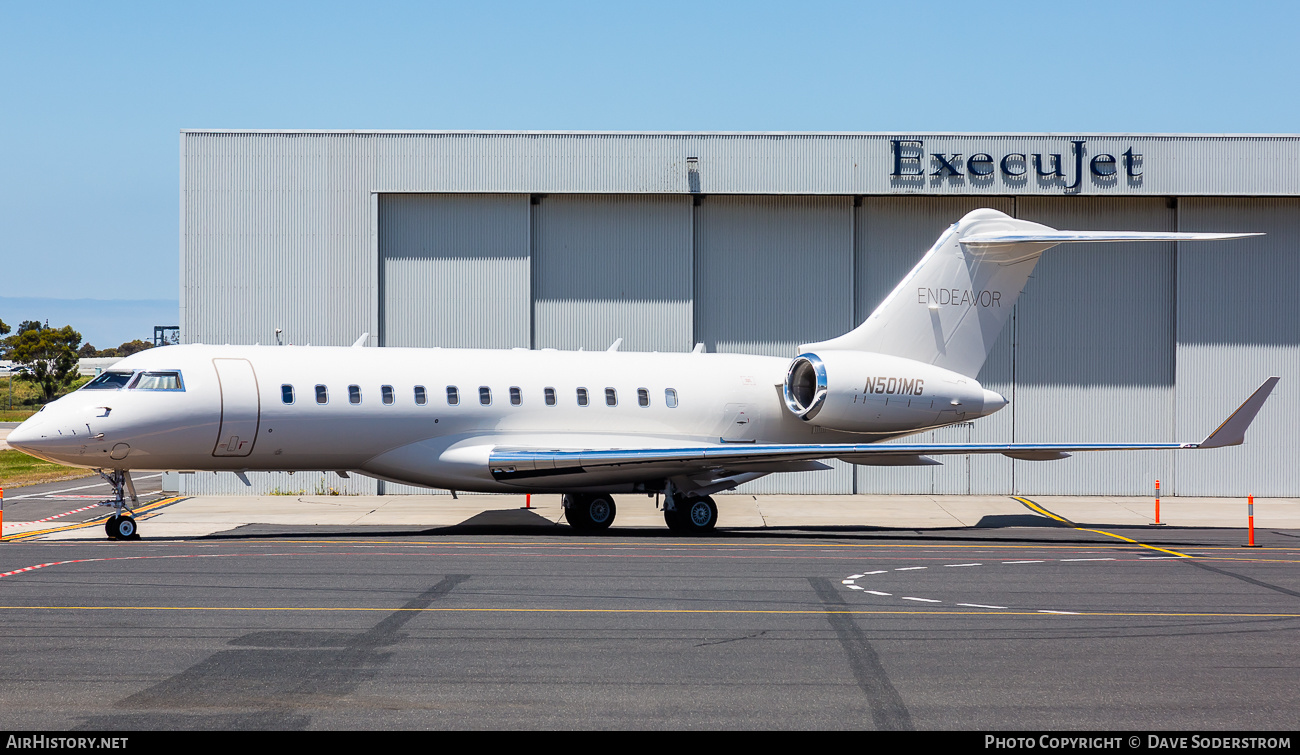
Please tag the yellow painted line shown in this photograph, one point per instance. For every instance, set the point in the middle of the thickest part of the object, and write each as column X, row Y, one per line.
column 1045, row 512
column 1042, row 510
column 92, row 522
column 649, row 611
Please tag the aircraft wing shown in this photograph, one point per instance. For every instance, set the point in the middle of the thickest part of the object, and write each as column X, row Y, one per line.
column 509, row 463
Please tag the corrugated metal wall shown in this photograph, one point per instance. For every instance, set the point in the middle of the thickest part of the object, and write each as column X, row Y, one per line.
column 1239, row 323
column 277, row 483
column 431, row 239
column 276, row 234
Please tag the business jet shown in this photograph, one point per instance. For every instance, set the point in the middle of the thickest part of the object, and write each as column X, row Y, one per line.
column 588, row 424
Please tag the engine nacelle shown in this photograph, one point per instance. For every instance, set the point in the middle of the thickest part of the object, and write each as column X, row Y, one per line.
column 862, row 392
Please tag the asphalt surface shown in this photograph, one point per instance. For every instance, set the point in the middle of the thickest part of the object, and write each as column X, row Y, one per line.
column 70, row 501
column 494, row 625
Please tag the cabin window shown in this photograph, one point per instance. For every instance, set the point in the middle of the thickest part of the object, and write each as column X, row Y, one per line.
column 354, row 394
column 516, row 396
column 549, row 393
column 611, row 397
column 642, row 397
column 109, row 381
column 286, row 393
column 420, row 398
column 582, row 397
column 670, row 398
column 485, row 395
column 322, row 395
column 386, row 393
column 158, row 381
column 453, row 396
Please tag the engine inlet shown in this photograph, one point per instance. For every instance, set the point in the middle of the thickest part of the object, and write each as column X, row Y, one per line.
column 805, row 386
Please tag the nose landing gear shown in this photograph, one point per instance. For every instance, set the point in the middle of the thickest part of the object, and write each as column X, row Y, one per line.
column 119, row 526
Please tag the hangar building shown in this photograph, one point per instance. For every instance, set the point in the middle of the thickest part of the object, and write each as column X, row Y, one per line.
column 756, row 242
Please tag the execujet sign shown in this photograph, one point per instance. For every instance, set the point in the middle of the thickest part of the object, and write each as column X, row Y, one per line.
column 1065, row 165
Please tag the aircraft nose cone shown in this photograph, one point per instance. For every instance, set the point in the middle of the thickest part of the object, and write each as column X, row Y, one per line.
column 24, row 437
column 993, row 401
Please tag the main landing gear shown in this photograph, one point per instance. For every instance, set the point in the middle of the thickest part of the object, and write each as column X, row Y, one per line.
column 120, row 526
column 690, row 516
column 589, row 513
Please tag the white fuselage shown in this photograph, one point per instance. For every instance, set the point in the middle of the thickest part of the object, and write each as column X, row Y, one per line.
column 233, row 412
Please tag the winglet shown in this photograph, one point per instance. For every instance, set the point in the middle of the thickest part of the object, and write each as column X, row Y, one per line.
column 1233, row 430
column 360, row 341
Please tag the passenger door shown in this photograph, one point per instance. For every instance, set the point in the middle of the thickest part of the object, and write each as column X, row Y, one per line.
column 241, row 407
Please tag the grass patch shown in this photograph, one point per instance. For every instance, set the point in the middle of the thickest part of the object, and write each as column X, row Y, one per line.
column 20, row 399
column 18, row 469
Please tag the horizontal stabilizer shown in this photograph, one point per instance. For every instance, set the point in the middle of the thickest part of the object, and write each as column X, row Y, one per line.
column 990, row 240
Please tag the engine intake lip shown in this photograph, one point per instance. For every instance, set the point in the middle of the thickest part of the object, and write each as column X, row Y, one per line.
column 804, row 388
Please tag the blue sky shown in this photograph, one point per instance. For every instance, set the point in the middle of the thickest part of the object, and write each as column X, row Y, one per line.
column 94, row 94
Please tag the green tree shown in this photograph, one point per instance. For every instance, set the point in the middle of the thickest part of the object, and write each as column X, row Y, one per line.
column 132, row 347
column 49, row 354
column 4, row 329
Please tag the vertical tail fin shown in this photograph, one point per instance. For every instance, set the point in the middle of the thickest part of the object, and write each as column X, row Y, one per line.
column 950, row 308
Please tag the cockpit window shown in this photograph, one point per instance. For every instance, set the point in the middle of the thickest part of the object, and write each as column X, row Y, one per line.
column 109, row 381
column 159, row 381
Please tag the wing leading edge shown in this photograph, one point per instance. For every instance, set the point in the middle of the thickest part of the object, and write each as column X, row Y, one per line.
column 516, row 463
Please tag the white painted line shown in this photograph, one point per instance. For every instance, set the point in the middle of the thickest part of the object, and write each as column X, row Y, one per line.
column 1064, row 613
column 963, row 564
column 1087, row 559
column 854, row 587
column 68, row 490
column 882, row 571
column 877, row 592
column 911, row 568
column 856, row 576
column 1022, row 562
column 924, row 600
column 978, row 605
column 846, row 581
column 1155, row 558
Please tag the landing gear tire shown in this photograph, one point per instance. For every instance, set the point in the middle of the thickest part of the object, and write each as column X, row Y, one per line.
column 121, row 528
column 694, row 516
column 590, row 513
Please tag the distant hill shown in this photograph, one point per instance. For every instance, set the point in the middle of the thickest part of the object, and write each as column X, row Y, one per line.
column 102, row 322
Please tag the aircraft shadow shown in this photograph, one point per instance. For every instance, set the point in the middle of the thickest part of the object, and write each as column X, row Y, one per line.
column 1026, row 528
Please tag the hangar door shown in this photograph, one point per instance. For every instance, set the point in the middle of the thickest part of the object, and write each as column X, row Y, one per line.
column 612, row 266
column 454, row 270
column 772, row 273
